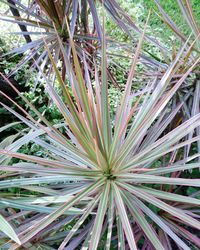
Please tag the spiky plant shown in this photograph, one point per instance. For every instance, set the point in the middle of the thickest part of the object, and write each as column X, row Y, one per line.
column 189, row 18
column 46, row 19
column 191, row 106
column 98, row 183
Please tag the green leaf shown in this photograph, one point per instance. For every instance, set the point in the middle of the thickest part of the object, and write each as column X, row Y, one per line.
column 98, row 223
column 104, row 94
column 6, row 228
column 80, row 221
column 145, row 178
column 170, row 196
column 61, row 210
column 142, row 222
column 120, row 233
column 110, row 219
column 124, row 218
column 178, row 213
column 159, row 221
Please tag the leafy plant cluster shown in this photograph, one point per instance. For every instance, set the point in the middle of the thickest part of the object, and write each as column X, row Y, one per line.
column 113, row 165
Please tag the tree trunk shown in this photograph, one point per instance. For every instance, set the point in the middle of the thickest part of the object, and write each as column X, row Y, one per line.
column 16, row 13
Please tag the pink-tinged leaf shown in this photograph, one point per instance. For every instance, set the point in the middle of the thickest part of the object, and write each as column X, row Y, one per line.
column 6, row 228
column 81, row 220
column 159, row 221
column 98, row 222
column 178, row 213
column 124, row 218
column 142, row 222
column 35, row 229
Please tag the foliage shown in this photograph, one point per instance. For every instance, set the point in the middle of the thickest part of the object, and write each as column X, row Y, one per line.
column 50, row 17
column 97, row 168
column 25, row 80
column 98, row 179
column 173, row 10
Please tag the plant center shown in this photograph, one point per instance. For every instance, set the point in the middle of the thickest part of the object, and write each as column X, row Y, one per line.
column 109, row 175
